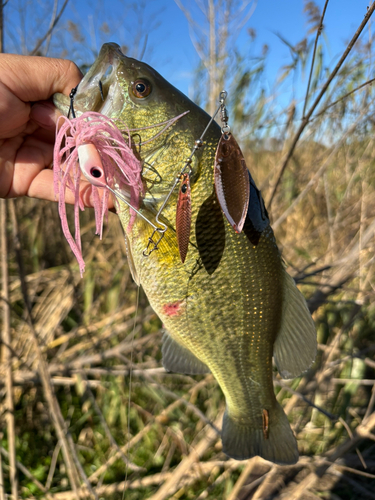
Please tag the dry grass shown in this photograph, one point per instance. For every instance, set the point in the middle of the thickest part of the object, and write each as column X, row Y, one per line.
column 90, row 333
column 95, row 415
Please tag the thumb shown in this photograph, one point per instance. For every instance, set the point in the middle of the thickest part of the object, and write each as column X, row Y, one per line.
column 33, row 78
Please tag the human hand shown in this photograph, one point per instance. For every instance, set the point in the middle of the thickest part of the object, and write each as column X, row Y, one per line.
column 28, row 124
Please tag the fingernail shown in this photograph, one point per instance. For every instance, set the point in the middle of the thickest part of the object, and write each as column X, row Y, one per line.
column 45, row 114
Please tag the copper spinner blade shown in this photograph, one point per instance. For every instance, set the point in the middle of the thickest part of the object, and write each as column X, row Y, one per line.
column 232, row 183
column 183, row 216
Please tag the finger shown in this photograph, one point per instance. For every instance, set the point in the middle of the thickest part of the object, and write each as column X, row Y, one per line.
column 24, row 80
column 37, row 78
column 23, row 165
column 8, row 151
column 45, row 114
column 42, row 188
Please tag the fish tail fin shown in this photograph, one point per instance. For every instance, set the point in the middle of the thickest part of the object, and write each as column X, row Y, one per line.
column 275, row 443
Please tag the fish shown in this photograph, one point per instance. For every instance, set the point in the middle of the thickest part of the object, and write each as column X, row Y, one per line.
column 228, row 305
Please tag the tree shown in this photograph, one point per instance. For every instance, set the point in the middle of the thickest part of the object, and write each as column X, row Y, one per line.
column 214, row 28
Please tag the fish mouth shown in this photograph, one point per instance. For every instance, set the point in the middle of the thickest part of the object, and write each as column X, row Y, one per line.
column 99, row 90
column 105, row 89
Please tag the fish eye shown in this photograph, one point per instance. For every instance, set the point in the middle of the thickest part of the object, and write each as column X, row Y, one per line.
column 141, row 88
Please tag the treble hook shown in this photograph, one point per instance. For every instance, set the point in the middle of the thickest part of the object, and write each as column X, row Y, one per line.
column 146, row 251
column 91, row 166
column 197, row 145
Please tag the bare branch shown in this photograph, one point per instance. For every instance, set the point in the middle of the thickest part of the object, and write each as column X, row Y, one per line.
column 1, row 26
column 56, row 20
column 171, row 485
column 55, row 410
column 306, row 119
column 6, row 352
column 106, row 428
column 53, row 18
column 318, row 471
column 369, row 82
column 318, row 33
column 318, row 174
column 24, row 471
column 2, row 492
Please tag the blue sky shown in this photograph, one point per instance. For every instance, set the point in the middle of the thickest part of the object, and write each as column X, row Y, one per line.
column 169, row 48
column 270, row 16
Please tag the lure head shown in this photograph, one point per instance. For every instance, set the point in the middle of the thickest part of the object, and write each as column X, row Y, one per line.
column 136, row 96
column 91, row 166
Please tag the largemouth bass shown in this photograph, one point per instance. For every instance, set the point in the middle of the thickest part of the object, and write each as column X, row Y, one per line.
column 231, row 305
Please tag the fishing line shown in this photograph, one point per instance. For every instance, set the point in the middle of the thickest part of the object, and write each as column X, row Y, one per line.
column 167, row 123
column 130, row 378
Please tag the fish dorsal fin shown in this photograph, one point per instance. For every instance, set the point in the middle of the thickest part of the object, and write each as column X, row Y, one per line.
column 295, row 346
column 129, row 255
column 177, row 358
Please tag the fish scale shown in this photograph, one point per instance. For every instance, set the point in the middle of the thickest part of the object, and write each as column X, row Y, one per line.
column 226, row 320
column 231, row 305
column 218, row 322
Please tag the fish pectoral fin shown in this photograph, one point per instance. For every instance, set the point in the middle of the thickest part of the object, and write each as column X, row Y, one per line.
column 177, row 358
column 295, row 346
column 242, row 441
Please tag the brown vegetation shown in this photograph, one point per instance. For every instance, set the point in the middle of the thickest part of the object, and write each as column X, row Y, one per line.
column 96, row 416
